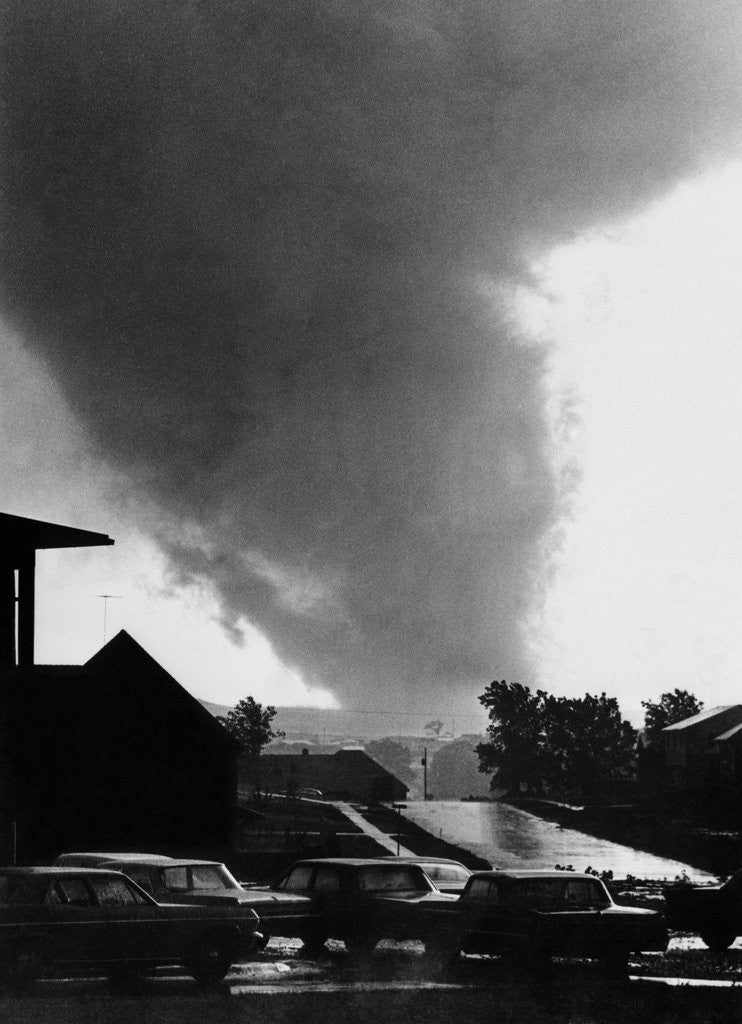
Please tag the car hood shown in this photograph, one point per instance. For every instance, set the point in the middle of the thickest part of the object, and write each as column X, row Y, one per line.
column 645, row 912
column 207, row 896
column 414, row 897
column 255, row 897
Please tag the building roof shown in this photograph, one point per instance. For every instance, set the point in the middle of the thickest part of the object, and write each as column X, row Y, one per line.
column 345, row 769
column 729, row 734
column 120, row 674
column 702, row 716
column 18, row 533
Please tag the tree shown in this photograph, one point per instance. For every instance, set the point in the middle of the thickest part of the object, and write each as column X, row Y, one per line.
column 589, row 749
column 393, row 756
column 577, row 747
column 672, row 707
column 454, row 772
column 251, row 724
column 513, row 751
column 434, row 727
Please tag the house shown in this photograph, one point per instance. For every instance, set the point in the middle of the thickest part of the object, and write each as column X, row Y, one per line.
column 112, row 754
column 344, row 775
column 728, row 750
column 699, row 749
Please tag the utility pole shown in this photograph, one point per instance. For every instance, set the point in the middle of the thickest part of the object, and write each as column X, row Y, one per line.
column 425, row 773
column 399, row 808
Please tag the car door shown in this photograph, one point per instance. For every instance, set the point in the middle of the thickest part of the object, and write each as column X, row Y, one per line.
column 289, row 908
column 75, row 928
column 493, row 917
column 334, row 903
column 134, row 926
column 572, row 923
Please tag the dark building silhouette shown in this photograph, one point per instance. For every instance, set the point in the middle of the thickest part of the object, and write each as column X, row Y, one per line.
column 112, row 754
column 345, row 775
column 20, row 539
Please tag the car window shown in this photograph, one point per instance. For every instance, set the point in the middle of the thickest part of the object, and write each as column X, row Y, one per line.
column 326, row 880
column 446, row 872
column 397, row 878
column 585, row 895
column 540, row 893
column 140, row 875
column 298, row 878
column 72, row 892
column 175, row 879
column 114, row 892
column 480, row 890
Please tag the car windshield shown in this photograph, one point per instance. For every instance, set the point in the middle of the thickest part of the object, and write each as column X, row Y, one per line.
column 381, row 878
column 557, row 894
column 184, row 878
column 446, row 872
column 213, row 876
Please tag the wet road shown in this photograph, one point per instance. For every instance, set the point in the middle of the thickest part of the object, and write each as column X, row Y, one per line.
column 510, row 838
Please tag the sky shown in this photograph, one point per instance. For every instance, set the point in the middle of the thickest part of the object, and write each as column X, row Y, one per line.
column 395, row 345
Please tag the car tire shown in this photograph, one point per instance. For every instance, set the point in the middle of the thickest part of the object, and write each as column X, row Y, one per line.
column 211, row 960
column 124, row 977
column 361, row 943
column 22, row 967
column 617, row 963
column 314, row 943
column 718, row 939
column 442, row 953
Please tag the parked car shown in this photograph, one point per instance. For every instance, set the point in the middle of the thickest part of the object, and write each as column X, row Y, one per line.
column 171, row 880
column 447, row 875
column 174, row 880
column 713, row 911
column 538, row 914
column 363, row 900
column 92, row 858
column 102, row 921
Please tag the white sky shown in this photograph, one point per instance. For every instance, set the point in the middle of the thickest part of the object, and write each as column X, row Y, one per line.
column 47, row 474
column 644, row 323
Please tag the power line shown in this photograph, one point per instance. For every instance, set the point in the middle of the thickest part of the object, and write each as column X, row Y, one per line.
column 387, row 714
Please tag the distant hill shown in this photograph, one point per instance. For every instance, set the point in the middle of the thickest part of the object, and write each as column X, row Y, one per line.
column 333, row 725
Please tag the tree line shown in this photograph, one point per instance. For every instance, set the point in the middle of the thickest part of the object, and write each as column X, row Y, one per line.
column 577, row 747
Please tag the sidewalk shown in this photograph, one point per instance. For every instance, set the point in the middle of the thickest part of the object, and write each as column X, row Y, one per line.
column 371, row 830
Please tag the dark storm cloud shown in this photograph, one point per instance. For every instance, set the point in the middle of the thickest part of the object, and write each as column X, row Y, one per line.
column 255, row 243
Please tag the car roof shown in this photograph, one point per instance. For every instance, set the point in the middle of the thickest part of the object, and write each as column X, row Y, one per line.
column 57, row 869
column 350, row 861
column 525, row 873
column 111, row 854
column 428, row 860
column 167, row 862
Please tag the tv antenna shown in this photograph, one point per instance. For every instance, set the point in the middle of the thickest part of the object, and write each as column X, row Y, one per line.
column 106, row 599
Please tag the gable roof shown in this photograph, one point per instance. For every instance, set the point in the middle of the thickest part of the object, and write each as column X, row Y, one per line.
column 327, row 771
column 729, row 734
column 702, row 716
column 121, row 672
column 123, row 661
